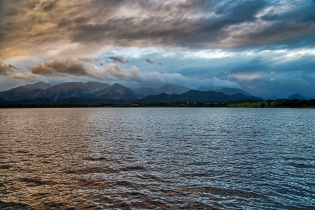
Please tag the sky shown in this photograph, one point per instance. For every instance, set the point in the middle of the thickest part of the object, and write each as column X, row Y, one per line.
column 265, row 47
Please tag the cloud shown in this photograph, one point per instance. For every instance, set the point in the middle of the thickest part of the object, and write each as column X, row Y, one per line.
column 58, row 68
column 193, row 83
column 39, row 27
column 245, row 76
column 119, row 59
column 132, row 74
column 153, row 63
column 82, row 68
column 157, row 78
column 47, row 5
column 6, row 69
column 149, row 61
column 89, row 60
column 21, row 76
column 62, row 68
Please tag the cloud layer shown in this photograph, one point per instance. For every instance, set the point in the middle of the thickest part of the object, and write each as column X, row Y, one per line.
column 112, row 72
column 38, row 26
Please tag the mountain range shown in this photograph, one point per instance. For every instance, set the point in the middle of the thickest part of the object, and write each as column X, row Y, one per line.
column 231, row 91
column 96, row 90
column 196, row 96
column 168, row 88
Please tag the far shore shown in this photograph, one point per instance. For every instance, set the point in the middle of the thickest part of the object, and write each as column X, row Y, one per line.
column 280, row 103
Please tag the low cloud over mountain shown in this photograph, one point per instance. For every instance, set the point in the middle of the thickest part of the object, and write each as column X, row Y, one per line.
column 111, row 72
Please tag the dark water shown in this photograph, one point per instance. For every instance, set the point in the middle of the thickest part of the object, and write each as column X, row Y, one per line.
column 157, row 158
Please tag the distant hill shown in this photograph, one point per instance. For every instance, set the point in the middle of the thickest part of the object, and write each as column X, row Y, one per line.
column 172, row 89
column 296, row 96
column 116, row 92
column 89, row 90
column 145, row 91
column 20, row 92
column 69, row 89
column 95, row 90
column 196, row 96
column 168, row 88
column 231, row 91
column 30, row 87
column 96, row 86
column 46, row 91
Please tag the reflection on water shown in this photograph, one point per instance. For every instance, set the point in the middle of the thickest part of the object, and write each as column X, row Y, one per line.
column 157, row 158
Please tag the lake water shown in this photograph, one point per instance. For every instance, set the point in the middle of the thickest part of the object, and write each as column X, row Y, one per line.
column 149, row 158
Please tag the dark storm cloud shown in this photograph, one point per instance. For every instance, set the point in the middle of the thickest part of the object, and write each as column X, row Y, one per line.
column 119, row 59
column 214, row 30
column 229, row 27
column 195, row 24
column 277, row 77
column 149, row 61
column 294, row 27
column 307, row 9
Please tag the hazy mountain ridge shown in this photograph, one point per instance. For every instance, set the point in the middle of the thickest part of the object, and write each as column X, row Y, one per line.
column 145, row 91
column 231, row 91
column 20, row 92
column 104, row 91
column 172, row 89
column 168, row 88
column 64, row 90
column 296, row 96
column 116, row 92
column 196, row 96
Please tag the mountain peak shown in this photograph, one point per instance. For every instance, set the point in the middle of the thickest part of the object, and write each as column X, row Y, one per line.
column 117, row 85
column 231, row 91
column 196, row 96
column 296, row 96
column 21, row 92
column 117, row 92
column 30, row 87
column 172, row 89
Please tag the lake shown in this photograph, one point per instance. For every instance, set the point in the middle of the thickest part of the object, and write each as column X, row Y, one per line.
column 149, row 158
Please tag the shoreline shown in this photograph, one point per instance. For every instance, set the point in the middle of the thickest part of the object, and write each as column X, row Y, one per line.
column 85, row 103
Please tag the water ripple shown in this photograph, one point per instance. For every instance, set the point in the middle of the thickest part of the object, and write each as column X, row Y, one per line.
column 157, row 158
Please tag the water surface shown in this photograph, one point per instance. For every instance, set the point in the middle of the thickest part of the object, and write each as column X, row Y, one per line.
column 145, row 158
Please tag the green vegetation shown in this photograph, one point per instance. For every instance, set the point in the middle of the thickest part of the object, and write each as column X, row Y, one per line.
column 279, row 103
column 77, row 102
